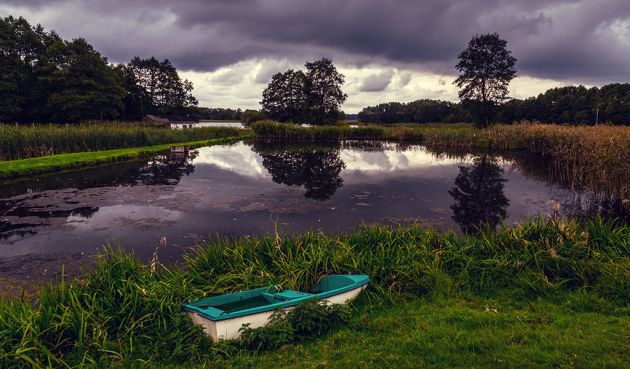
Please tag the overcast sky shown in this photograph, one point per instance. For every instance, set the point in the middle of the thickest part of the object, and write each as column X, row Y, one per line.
column 389, row 50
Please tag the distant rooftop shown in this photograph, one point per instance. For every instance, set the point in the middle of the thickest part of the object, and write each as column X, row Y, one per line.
column 168, row 119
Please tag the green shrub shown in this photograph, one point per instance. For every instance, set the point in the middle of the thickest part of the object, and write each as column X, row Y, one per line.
column 309, row 320
column 124, row 312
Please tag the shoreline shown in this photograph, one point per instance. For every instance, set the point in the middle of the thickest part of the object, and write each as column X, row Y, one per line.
column 54, row 163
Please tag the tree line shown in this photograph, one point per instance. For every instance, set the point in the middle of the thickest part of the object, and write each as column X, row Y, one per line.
column 562, row 105
column 44, row 78
column 486, row 68
column 419, row 111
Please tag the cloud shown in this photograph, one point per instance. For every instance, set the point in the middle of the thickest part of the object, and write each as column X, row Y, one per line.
column 377, row 82
column 231, row 48
column 404, row 78
column 267, row 70
column 559, row 39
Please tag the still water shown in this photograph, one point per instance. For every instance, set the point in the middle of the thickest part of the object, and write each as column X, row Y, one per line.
column 250, row 188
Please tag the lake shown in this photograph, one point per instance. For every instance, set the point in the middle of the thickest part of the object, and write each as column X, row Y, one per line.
column 253, row 188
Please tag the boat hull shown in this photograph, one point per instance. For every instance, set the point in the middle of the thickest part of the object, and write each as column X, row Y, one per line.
column 228, row 329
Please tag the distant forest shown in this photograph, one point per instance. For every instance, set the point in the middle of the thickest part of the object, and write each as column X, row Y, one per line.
column 572, row 105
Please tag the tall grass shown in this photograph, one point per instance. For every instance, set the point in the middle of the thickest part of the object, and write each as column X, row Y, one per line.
column 590, row 156
column 126, row 314
column 21, row 142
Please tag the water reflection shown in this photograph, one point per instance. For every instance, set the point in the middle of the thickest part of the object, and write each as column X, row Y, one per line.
column 168, row 169
column 234, row 189
column 318, row 169
column 29, row 206
column 479, row 196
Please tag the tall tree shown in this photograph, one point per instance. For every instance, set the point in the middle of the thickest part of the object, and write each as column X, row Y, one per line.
column 312, row 97
column 10, row 101
column 81, row 85
column 323, row 90
column 154, row 87
column 486, row 68
column 285, row 98
column 22, row 49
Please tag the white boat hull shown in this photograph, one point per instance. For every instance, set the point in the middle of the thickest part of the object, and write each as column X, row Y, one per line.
column 228, row 329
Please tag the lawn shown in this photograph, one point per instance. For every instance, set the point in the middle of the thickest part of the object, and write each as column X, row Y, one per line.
column 467, row 332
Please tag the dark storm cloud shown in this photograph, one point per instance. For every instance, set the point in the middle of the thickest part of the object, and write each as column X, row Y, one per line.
column 586, row 40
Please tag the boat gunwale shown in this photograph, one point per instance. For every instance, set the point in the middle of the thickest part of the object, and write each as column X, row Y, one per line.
column 206, row 312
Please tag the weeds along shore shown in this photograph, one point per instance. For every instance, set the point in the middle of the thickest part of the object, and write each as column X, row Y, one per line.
column 124, row 312
column 23, row 142
column 586, row 155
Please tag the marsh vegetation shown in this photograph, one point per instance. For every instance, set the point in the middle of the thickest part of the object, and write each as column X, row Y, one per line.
column 124, row 313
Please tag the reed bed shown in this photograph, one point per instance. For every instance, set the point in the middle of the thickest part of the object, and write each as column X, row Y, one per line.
column 596, row 157
column 125, row 314
column 22, row 142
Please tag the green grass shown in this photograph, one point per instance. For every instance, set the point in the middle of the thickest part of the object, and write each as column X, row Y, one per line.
column 125, row 314
column 466, row 332
column 22, row 142
column 16, row 168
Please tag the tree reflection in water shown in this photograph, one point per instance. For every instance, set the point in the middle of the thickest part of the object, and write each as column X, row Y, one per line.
column 26, row 211
column 168, row 168
column 478, row 194
column 318, row 169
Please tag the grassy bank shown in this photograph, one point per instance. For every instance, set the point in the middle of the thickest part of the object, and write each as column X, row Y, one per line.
column 466, row 332
column 22, row 142
column 16, row 168
column 588, row 155
column 124, row 314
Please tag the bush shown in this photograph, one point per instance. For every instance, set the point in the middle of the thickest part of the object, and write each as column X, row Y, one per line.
column 251, row 116
column 309, row 320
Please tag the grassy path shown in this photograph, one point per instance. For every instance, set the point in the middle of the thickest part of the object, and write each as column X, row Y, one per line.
column 471, row 332
column 16, row 168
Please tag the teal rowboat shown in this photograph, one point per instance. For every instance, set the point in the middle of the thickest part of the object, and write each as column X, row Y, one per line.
column 223, row 316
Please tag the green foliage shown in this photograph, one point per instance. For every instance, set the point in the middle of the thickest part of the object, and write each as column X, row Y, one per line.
column 313, row 319
column 220, row 114
column 45, row 79
column 124, row 314
column 419, row 111
column 52, row 79
column 609, row 104
column 18, row 142
column 313, row 97
column 154, row 87
column 285, row 97
column 309, row 320
column 486, row 68
column 80, row 84
column 573, row 105
column 277, row 333
column 252, row 116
